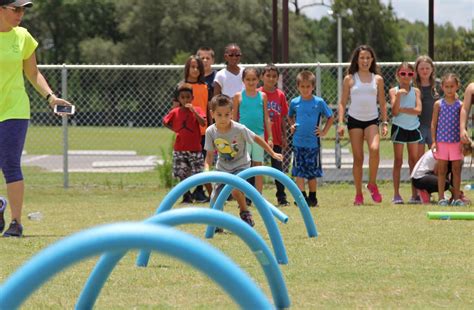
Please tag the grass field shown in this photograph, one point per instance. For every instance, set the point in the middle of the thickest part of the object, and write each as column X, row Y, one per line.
column 146, row 141
column 374, row 256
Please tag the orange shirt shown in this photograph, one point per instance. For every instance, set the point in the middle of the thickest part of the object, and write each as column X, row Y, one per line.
column 200, row 95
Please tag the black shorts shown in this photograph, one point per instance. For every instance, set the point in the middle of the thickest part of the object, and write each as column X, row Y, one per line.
column 400, row 135
column 353, row 123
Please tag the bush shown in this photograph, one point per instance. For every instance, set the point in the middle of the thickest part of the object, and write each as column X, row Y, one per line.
column 165, row 171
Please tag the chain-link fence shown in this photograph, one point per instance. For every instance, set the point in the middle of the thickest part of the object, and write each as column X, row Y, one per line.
column 120, row 108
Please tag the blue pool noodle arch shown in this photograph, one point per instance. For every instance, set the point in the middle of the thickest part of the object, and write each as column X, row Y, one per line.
column 125, row 236
column 282, row 178
column 108, row 261
column 225, row 178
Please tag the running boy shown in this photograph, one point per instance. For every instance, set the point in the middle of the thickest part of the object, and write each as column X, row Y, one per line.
column 304, row 116
column 185, row 121
column 277, row 107
column 230, row 139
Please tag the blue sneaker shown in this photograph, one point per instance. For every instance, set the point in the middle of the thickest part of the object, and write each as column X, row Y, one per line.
column 458, row 203
column 14, row 230
column 3, row 207
column 443, row 203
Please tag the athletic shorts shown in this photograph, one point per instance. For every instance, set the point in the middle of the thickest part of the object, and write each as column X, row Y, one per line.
column 401, row 135
column 426, row 134
column 353, row 123
column 187, row 163
column 255, row 151
column 448, row 151
column 306, row 163
column 217, row 188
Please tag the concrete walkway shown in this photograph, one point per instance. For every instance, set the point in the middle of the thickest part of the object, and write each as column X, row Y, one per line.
column 128, row 161
column 94, row 161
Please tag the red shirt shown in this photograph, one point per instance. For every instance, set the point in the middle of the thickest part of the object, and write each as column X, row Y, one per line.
column 277, row 107
column 186, row 126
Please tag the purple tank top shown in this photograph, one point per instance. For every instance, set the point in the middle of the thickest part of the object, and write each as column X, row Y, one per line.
column 448, row 122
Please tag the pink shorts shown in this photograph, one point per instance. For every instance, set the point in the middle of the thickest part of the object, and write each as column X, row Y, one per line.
column 448, row 151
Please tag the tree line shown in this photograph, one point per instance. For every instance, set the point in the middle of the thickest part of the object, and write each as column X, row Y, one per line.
column 168, row 31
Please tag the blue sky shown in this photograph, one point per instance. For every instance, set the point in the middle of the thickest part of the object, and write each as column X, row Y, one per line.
column 459, row 12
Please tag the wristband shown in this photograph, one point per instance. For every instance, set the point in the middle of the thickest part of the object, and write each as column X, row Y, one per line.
column 49, row 96
column 385, row 123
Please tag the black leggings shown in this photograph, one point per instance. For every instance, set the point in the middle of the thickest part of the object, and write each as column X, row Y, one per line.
column 429, row 182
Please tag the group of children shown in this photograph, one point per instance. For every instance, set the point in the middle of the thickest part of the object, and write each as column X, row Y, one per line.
column 441, row 131
column 243, row 122
column 228, row 114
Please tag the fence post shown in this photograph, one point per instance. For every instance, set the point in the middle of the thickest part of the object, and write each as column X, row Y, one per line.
column 318, row 93
column 65, row 129
column 337, row 147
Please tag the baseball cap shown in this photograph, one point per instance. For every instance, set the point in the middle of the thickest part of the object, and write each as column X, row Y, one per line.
column 17, row 3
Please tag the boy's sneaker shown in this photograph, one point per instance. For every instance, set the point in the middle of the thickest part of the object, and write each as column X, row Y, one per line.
column 14, row 230
column 374, row 192
column 458, row 203
column 218, row 230
column 443, row 202
column 414, row 200
column 466, row 200
column 3, row 207
column 282, row 202
column 187, row 198
column 312, row 202
column 246, row 216
column 358, row 200
column 200, row 196
column 397, row 200
column 424, row 196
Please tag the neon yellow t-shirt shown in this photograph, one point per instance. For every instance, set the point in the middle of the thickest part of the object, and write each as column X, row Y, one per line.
column 15, row 46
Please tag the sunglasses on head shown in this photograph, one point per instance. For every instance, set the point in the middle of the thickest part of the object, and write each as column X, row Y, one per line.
column 406, row 73
column 234, row 55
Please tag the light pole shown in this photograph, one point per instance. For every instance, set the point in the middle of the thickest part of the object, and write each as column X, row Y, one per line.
column 337, row 148
column 339, row 53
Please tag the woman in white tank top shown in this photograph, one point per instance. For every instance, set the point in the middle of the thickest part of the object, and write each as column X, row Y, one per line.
column 365, row 87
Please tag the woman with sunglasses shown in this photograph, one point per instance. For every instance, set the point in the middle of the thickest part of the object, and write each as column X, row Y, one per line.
column 228, row 81
column 406, row 106
column 17, row 59
column 365, row 87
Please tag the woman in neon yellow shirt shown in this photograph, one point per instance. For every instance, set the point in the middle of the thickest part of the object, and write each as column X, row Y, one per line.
column 17, row 59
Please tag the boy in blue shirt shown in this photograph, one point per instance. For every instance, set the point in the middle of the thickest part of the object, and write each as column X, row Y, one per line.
column 304, row 116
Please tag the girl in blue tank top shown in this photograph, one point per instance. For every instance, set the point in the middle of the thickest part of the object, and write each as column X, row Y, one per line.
column 250, row 109
column 406, row 106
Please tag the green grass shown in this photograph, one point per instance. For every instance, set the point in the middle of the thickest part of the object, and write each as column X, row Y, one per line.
column 146, row 141
column 374, row 256
column 49, row 140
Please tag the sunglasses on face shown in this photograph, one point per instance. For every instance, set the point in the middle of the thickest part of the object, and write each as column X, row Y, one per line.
column 20, row 9
column 405, row 73
column 234, row 55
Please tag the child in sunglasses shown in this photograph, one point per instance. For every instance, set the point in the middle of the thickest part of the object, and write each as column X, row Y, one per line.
column 228, row 81
column 406, row 106
column 445, row 129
